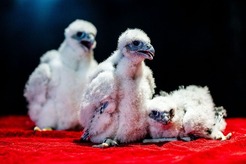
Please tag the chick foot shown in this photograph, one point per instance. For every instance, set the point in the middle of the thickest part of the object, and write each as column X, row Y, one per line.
column 222, row 137
column 36, row 128
column 106, row 143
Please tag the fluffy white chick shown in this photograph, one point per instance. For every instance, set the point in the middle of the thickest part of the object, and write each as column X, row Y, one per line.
column 164, row 118
column 54, row 87
column 113, row 107
column 186, row 113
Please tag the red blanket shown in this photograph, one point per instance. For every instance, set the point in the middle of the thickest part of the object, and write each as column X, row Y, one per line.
column 20, row 144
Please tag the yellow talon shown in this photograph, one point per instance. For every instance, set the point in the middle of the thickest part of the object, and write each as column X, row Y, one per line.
column 102, row 145
column 47, row 129
column 105, row 145
column 36, row 128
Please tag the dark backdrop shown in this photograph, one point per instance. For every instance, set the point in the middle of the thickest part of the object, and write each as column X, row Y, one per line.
column 196, row 42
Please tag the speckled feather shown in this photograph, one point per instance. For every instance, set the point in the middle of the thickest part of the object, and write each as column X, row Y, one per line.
column 125, row 82
column 195, row 114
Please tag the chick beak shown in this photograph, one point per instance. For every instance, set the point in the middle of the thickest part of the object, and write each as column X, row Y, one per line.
column 85, row 39
column 148, row 51
column 165, row 119
column 87, row 43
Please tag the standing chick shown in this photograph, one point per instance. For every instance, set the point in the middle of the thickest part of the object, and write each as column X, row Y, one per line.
column 53, row 89
column 113, row 107
column 185, row 113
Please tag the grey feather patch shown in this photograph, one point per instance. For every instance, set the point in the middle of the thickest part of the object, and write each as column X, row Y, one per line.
column 166, row 139
column 85, row 136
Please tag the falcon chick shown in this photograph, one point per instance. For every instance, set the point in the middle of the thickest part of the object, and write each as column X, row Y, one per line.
column 186, row 113
column 54, row 87
column 113, row 106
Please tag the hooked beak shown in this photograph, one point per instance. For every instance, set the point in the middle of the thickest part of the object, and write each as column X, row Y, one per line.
column 85, row 39
column 148, row 51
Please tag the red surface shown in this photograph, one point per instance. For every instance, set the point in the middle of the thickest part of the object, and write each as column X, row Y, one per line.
column 19, row 144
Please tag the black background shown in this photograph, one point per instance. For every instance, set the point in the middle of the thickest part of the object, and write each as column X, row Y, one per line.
column 196, row 42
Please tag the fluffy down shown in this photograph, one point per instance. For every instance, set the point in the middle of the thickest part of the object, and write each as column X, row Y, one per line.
column 54, row 87
column 186, row 113
column 113, row 107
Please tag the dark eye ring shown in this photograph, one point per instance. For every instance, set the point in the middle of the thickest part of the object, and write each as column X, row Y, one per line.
column 136, row 43
column 155, row 113
column 80, row 34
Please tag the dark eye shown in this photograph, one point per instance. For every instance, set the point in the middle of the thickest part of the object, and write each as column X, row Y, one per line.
column 155, row 113
column 136, row 43
column 80, row 34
